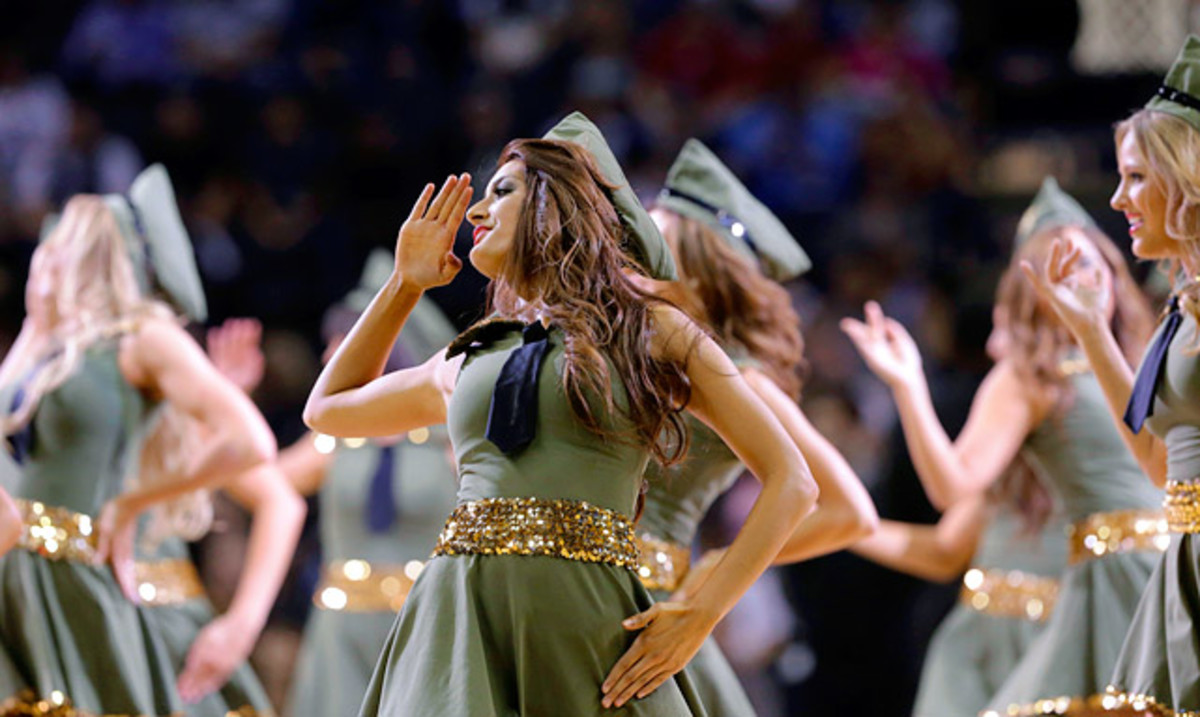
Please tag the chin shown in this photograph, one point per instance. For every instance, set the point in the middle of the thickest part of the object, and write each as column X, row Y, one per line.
column 484, row 264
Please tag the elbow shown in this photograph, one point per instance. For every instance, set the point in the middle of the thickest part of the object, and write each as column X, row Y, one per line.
column 252, row 448
column 803, row 493
column 313, row 416
column 862, row 523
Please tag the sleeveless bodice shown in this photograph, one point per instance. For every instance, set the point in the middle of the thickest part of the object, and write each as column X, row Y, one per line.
column 422, row 490
column 681, row 494
column 1008, row 544
column 565, row 459
column 1083, row 460
column 1176, row 418
column 85, row 436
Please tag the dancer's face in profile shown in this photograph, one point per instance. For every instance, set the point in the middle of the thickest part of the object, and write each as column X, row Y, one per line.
column 1143, row 203
column 495, row 218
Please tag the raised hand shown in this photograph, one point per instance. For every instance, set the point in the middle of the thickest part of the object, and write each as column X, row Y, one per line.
column 886, row 346
column 425, row 248
column 235, row 349
column 671, row 634
column 1076, row 288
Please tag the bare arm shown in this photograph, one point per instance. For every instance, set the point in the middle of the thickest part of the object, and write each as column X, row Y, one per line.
column 845, row 512
column 1002, row 414
column 939, row 552
column 226, row 642
column 303, row 465
column 672, row 632
column 1062, row 283
column 10, row 522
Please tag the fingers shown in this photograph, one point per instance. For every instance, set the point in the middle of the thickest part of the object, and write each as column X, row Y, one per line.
column 456, row 208
column 422, row 202
column 642, row 619
column 123, row 565
column 654, row 683
column 627, row 661
column 434, row 212
column 632, row 679
column 874, row 316
column 200, row 677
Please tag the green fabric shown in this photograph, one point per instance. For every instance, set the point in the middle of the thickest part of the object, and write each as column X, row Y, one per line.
column 746, row 223
column 179, row 625
column 1183, row 76
column 1161, row 655
column 65, row 625
column 972, row 653
column 340, row 648
column 1086, row 465
column 680, row 495
column 158, row 229
column 643, row 239
column 1051, row 207
column 515, row 635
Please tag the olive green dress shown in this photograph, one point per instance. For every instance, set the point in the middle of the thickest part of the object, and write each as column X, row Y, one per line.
column 1086, row 465
column 341, row 641
column 975, row 649
column 179, row 623
column 1161, row 655
column 509, row 635
column 69, row 634
column 679, row 497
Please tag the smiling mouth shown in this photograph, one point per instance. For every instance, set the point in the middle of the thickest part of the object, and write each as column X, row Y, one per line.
column 477, row 235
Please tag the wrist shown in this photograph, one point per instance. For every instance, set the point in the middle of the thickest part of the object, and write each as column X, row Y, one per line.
column 247, row 623
column 398, row 287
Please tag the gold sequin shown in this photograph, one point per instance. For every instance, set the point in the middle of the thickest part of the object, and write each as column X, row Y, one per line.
column 1121, row 531
column 663, row 565
column 1144, row 704
column 56, row 704
column 1107, row 703
column 360, row 586
column 56, row 533
column 1009, row 593
column 167, row 582
column 1182, row 506
column 571, row 529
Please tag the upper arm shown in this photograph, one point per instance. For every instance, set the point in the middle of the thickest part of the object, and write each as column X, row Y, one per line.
column 1003, row 413
column 162, row 359
column 393, row 403
column 723, row 400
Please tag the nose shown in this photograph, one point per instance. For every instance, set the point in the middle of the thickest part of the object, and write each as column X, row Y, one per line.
column 478, row 212
column 1118, row 199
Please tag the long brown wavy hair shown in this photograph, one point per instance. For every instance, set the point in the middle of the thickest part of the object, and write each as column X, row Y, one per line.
column 727, row 292
column 567, row 265
column 1039, row 347
column 1170, row 146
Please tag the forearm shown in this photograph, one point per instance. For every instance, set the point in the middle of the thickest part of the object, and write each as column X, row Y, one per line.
column 911, row 549
column 1115, row 376
column 219, row 460
column 780, row 507
column 363, row 354
column 931, row 450
column 278, row 516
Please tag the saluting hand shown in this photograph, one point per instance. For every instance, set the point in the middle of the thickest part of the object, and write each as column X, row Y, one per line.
column 1077, row 292
column 885, row 345
column 425, row 247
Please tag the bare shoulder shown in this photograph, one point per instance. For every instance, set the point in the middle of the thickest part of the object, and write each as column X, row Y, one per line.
column 1004, row 383
column 675, row 337
column 444, row 372
column 154, row 342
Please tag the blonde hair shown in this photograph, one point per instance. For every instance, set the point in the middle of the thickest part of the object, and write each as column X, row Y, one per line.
column 97, row 297
column 1171, row 147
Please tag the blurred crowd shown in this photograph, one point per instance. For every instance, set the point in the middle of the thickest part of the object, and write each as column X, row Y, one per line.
column 897, row 139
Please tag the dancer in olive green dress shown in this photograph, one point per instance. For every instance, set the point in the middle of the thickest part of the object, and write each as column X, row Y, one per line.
column 98, row 358
column 1042, row 401
column 382, row 505
column 531, row 604
column 1159, row 666
column 730, row 250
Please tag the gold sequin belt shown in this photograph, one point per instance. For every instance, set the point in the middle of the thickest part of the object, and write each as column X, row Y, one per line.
column 28, row 704
column 172, row 581
column 1144, row 704
column 360, row 586
column 663, row 565
column 56, row 533
column 1121, row 531
column 1009, row 593
column 1109, row 703
column 571, row 529
column 1182, row 506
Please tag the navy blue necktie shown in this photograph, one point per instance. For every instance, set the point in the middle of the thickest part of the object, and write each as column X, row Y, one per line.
column 1141, row 400
column 512, row 416
column 381, row 506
